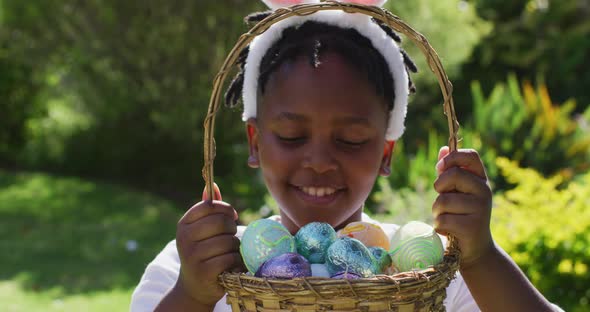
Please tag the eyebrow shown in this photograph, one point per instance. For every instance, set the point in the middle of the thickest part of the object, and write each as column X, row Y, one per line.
column 352, row 120
column 291, row 117
column 348, row 120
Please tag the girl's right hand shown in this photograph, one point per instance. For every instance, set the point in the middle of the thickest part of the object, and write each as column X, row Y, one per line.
column 207, row 246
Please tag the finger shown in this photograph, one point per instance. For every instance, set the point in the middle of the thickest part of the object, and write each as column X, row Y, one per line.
column 459, row 180
column 444, row 151
column 207, row 227
column 456, row 203
column 467, row 159
column 217, row 246
column 452, row 224
column 205, row 208
column 216, row 193
column 229, row 262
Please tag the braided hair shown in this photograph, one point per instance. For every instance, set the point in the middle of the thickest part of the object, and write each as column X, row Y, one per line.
column 314, row 38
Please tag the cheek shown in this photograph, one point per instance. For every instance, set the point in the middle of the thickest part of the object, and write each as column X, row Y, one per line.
column 275, row 162
column 364, row 164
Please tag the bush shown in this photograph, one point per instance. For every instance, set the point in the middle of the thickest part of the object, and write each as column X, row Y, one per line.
column 523, row 123
column 544, row 224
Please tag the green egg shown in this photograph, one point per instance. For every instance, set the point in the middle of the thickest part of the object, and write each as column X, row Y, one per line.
column 264, row 239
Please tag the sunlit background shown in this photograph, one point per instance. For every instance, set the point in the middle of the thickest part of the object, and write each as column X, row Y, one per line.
column 101, row 112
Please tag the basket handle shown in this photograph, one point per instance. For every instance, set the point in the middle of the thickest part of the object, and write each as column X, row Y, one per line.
column 305, row 9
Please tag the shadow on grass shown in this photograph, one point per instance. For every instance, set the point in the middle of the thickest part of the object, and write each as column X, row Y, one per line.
column 76, row 235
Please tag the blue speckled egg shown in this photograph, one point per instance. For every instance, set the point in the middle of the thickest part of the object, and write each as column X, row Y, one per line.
column 286, row 266
column 264, row 239
column 382, row 258
column 346, row 275
column 312, row 241
column 416, row 246
column 350, row 255
column 319, row 270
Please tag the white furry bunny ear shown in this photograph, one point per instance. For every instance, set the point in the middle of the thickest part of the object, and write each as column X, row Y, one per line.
column 276, row 4
column 378, row 3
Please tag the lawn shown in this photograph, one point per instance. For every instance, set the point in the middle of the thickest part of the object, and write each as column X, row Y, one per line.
column 73, row 245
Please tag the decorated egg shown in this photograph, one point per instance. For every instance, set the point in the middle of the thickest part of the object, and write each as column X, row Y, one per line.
column 262, row 240
column 319, row 270
column 369, row 233
column 346, row 275
column 416, row 246
column 350, row 255
column 312, row 241
column 383, row 260
column 285, row 266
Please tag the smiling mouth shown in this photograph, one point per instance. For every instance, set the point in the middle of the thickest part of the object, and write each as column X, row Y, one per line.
column 318, row 191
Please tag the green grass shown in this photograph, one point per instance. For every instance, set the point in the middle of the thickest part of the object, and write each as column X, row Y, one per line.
column 64, row 242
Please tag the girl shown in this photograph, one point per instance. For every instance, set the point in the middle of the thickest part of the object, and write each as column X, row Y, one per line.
column 325, row 99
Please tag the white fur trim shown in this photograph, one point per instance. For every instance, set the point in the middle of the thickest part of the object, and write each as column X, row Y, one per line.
column 275, row 4
column 363, row 24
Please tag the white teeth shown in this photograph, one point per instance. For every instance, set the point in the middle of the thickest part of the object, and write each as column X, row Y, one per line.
column 318, row 191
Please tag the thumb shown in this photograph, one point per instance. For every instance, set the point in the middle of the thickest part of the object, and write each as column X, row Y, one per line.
column 442, row 153
column 216, row 193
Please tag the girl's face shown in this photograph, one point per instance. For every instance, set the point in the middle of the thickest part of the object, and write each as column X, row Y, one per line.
column 319, row 140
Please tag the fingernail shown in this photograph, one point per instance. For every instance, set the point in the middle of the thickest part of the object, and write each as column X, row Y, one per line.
column 216, row 193
column 440, row 165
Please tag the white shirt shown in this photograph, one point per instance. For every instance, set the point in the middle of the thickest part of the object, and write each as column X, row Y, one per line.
column 161, row 275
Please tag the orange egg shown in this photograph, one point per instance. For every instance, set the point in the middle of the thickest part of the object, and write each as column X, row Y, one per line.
column 370, row 234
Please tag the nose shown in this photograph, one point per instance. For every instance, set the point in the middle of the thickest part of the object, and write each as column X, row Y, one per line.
column 319, row 157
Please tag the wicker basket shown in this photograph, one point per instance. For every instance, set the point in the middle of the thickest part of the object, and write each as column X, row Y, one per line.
column 414, row 291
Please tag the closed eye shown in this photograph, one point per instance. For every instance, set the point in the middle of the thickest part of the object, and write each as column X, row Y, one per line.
column 291, row 139
column 353, row 143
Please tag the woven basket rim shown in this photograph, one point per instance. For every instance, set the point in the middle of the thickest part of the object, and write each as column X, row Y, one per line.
column 385, row 284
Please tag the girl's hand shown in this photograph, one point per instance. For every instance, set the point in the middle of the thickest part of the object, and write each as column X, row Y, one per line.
column 207, row 246
column 463, row 206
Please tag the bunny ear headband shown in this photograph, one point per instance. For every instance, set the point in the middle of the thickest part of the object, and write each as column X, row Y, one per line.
column 361, row 23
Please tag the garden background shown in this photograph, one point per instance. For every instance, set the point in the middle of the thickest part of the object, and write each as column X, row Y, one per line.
column 101, row 111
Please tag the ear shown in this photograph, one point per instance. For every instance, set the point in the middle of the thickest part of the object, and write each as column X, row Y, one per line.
column 378, row 3
column 385, row 169
column 252, row 133
column 276, row 4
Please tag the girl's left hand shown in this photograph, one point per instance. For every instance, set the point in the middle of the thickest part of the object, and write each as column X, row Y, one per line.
column 463, row 206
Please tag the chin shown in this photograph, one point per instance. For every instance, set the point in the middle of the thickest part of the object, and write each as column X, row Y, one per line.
column 328, row 217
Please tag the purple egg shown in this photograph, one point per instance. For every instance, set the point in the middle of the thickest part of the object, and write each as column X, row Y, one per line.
column 346, row 275
column 286, row 266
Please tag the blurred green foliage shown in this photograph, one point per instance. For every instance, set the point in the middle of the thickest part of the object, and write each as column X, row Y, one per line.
column 69, row 244
column 532, row 37
column 103, row 234
column 125, row 87
column 544, row 224
column 512, row 121
column 520, row 121
column 18, row 104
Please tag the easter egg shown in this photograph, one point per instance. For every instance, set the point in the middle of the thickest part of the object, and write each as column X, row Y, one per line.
column 416, row 246
column 383, row 260
column 312, row 241
column 346, row 275
column 319, row 270
column 286, row 266
column 369, row 233
column 262, row 240
column 350, row 255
